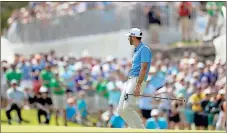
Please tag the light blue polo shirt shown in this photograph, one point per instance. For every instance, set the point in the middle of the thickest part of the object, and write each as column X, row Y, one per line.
column 142, row 53
column 117, row 122
column 161, row 123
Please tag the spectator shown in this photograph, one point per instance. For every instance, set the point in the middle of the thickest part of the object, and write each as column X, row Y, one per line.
column 146, row 104
column 12, row 74
column 38, row 63
column 156, row 122
column 174, row 115
column 221, row 123
column 44, row 105
column 106, row 116
column 211, row 111
column 184, row 11
column 100, row 122
column 71, row 111
column 101, row 88
column 16, row 100
column 78, row 87
column 80, row 76
column 204, row 103
column 82, row 108
column 154, row 20
column 4, row 67
column 59, row 98
column 46, row 75
column 67, row 75
column 113, row 91
column 36, row 83
column 195, row 100
column 26, row 70
column 213, row 10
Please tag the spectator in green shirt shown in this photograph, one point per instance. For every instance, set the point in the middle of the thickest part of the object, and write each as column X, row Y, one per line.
column 46, row 75
column 58, row 90
column 213, row 9
column 101, row 88
column 13, row 73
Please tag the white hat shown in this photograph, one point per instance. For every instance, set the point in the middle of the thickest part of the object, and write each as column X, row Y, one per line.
column 154, row 112
column 191, row 61
column 222, row 91
column 13, row 81
column 135, row 32
column 200, row 65
column 43, row 89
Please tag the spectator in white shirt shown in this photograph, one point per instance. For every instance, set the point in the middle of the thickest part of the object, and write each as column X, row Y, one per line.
column 16, row 99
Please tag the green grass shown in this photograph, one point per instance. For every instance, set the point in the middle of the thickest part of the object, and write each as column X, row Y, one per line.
column 72, row 127
column 62, row 129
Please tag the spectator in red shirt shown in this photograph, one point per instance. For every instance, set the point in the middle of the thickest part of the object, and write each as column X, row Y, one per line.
column 184, row 11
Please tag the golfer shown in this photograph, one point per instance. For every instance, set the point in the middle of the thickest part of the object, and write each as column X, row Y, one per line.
column 137, row 77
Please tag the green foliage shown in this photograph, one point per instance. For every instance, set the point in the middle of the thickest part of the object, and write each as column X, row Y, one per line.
column 6, row 10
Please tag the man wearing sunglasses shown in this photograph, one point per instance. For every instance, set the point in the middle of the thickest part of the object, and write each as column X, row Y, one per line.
column 137, row 77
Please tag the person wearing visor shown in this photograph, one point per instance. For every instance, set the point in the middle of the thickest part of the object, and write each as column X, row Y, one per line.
column 136, row 82
column 44, row 106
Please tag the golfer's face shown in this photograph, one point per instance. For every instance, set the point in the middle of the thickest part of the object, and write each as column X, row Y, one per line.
column 130, row 40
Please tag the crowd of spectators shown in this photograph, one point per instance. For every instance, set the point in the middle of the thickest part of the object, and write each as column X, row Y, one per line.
column 74, row 86
column 195, row 19
column 47, row 10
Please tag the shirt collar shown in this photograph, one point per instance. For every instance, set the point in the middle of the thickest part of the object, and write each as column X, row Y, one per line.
column 136, row 49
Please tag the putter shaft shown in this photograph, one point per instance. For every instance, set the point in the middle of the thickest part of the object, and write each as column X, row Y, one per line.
column 161, row 98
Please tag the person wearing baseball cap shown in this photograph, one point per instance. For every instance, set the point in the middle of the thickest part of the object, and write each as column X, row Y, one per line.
column 44, row 104
column 137, row 78
column 156, row 121
column 15, row 99
column 195, row 100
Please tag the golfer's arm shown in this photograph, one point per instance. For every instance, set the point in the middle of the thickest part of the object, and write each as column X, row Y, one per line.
column 142, row 74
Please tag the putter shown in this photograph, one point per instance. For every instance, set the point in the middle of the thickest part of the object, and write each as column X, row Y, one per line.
column 165, row 98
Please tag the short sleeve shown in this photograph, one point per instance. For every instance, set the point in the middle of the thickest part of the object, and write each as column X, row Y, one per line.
column 145, row 55
column 191, row 99
column 7, row 76
column 8, row 96
column 49, row 101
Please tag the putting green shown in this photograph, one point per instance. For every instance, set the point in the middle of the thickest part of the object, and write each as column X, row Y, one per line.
column 30, row 129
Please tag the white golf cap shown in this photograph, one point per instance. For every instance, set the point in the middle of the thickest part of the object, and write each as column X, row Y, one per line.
column 200, row 65
column 222, row 91
column 154, row 112
column 13, row 82
column 191, row 61
column 43, row 89
column 135, row 32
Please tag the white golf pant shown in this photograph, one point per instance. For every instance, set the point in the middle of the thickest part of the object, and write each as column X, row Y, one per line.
column 127, row 108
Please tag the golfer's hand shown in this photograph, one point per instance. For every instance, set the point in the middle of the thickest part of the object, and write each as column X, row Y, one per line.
column 137, row 91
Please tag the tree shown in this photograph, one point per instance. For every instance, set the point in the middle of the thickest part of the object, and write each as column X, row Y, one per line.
column 6, row 10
